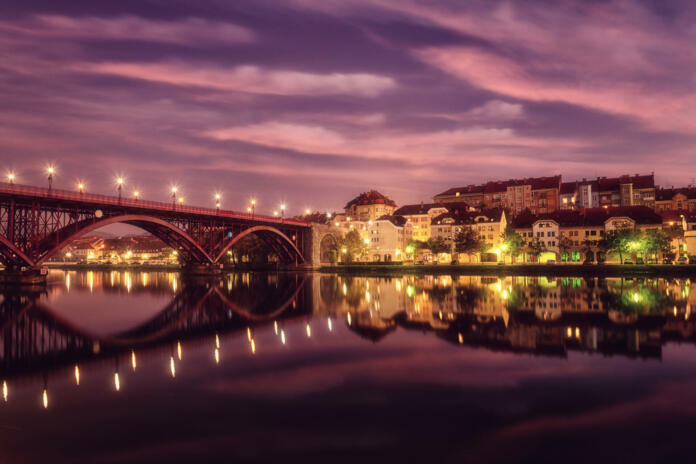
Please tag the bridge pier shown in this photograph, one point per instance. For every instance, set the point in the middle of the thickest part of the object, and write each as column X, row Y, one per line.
column 23, row 277
column 197, row 269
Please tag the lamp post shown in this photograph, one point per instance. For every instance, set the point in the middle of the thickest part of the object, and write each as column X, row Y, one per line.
column 50, row 171
column 81, row 188
column 173, row 197
column 253, row 206
column 282, row 211
column 11, row 178
column 136, row 195
column 119, row 187
column 217, row 202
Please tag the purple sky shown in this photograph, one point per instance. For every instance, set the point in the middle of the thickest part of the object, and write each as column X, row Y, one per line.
column 311, row 102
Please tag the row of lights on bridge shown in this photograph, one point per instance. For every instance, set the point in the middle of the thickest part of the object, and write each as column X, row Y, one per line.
column 174, row 190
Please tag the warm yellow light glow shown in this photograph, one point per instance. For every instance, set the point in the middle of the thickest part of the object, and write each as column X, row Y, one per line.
column 328, row 215
column 77, row 375
column 367, row 241
column 460, row 338
column 217, row 341
column 249, row 333
column 44, row 396
column 577, row 332
column 307, row 211
column 309, row 331
column 119, row 181
column 275, row 327
column 136, row 194
column 50, row 170
column 172, row 367
column 181, row 200
column 282, row 207
column 253, row 202
column 275, row 213
column 217, row 196
column 330, row 325
column 282, row 336
column 4, row 390
column 117, row 382
column 248, row 209
column 11, row 177
column 178, row 350
column 81, row 187
column 253, row 346
column 217, row 356
column 348, row 317
column 134, row 364
column 174, row 189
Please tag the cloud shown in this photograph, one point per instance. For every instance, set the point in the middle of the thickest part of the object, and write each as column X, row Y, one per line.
column 185, row 31
column 248, row 78
column 498, row 109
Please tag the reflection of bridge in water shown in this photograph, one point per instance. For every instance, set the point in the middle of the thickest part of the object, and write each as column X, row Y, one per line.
column 36, row 338
column 516, row 315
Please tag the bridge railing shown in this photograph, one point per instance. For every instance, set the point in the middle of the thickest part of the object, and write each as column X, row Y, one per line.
column 98, row 199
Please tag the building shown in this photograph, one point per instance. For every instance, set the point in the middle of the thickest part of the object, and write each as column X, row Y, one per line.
column 539, row 194
column 675, row 199
column 575, row 236
column 368, row 206
column 579, row 194
column 387, row 237
column 421, row 215
column 638, row 190
column 489, row 224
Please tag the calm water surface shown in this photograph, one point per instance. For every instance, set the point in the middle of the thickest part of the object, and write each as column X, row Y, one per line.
column 110, row 367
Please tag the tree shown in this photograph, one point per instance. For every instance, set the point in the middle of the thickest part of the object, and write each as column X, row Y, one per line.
column 352, row 246
column 467, row 241
column 656, row 241
column 623, row 241
column 512, row 242
column 438, row 245
column 535, row 247
column 564, row 245
column 587, row 248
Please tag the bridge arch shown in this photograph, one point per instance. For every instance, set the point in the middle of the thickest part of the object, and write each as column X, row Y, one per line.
column 165, row 231
column 276, row 239
column 11, row 255
column 328, row 246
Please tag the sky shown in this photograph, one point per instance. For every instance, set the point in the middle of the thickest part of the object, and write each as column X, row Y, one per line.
column 312, row 102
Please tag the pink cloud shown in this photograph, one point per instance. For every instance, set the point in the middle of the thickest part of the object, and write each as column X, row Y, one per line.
column 252, row 79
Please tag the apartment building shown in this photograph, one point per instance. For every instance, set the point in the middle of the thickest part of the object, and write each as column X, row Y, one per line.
column 675, row 199
column 387, row 237
column 421, row 215
column 489, row 224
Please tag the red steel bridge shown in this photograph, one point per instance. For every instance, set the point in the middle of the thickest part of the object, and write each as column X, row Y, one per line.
column 35, row 223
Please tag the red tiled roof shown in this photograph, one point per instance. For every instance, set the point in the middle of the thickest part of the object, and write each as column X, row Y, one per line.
column 469, row 217
column 420, row 208
column 373, row 197
column 668, row 194
column 614, row 183
column 590, row 216
column 469, row 189
column 396, row 220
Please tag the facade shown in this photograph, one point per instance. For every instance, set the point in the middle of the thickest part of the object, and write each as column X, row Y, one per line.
column 368, row 206
column 420, row 216
column 679, row 199
column 489, row 224
column 638, row 190
column 539, row 195
column 574, row 236
column 387, row 237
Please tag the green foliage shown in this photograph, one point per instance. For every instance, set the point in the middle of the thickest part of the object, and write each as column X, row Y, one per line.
column 535, row 247
column 656, row 241
column 623, row 241
column 438, row 245
column 352, row 247
column 512, row 242
column 468, row 241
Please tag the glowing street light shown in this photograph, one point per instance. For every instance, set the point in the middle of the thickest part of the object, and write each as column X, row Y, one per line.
column 308, row 212
column 275, row 213
column 181, row 200
column 119, row 186
column 136, row 194
column 50, row 170
column 217, row 201
column 81, row 187
column 11, row 178
column 282, row 211
column 174, row 189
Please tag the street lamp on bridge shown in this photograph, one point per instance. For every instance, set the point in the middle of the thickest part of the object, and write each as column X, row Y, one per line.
column 174, row 196
column 136, row 194
column 253, row 206
column 282, row 211
column 50, row 170
column 81, row 187
column 119, row 187
column 11, row 178
column 217, row 202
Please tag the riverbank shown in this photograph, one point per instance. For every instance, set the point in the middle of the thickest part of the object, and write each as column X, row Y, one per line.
column 609, row 270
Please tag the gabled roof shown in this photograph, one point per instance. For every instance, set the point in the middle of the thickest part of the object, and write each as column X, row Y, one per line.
column 668, row 194
column 421, row 208
column 398, row 221
column 589, row 216
column 373, row 197
column 469, row 189
column 470, row 217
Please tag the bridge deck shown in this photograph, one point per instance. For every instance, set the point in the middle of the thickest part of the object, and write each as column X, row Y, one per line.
column 97, row 200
